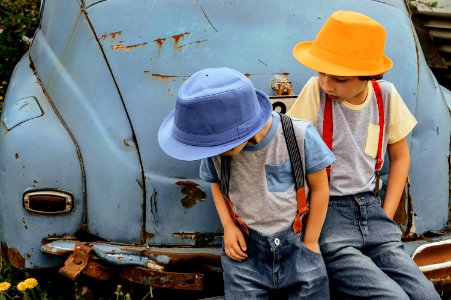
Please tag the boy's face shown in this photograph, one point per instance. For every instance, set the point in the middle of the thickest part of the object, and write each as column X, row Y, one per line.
column 344, row 88
column 236, row 150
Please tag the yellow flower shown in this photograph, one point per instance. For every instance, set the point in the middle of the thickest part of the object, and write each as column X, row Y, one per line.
column 21, row 287
column 4, row 286
column 31, row 283
column 1, row 98
column 4, row 82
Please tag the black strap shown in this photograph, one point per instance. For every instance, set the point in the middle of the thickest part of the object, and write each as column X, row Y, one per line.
column 225, row 174
column 293, row 150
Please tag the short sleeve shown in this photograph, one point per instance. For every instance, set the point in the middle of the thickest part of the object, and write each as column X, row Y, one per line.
column 306, row 105
column 317, row 155
column 207, row 171
column 401, row 119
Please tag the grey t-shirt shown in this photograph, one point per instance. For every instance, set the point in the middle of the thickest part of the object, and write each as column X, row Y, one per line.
column 261, row 183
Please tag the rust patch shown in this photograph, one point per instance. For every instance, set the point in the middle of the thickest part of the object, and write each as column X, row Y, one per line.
column 248, row 75
column 193, row 194
column 148, row 235
column 120, row 46
column 180, row 258
column 164, row 77
column 443, row 284
column 15, row 259
column 17, row 155
column 169, row 280
column 97, row 271
column 177, row 38
column 159, row 42
column 111, row 35
column 77, row 261
column 438, row 274
column 434, row 254
column 192, row 43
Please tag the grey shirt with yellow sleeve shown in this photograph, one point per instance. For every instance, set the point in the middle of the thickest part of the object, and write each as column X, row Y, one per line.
column 356, row 132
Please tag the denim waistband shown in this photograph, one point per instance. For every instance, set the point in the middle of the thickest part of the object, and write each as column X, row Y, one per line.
column 275, row 241
column 360, row 199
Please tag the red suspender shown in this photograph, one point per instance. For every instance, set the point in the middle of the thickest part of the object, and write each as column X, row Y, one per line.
column 328, row 126
column 380, row 107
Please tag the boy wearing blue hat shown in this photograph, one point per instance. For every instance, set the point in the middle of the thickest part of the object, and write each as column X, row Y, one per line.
column 256, row 166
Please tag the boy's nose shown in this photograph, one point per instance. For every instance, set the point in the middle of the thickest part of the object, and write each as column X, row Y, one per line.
column 328, row 85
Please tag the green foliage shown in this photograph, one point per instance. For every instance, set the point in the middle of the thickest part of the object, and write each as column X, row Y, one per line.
column 415, row 4
column 13, row 285
column 18, row 18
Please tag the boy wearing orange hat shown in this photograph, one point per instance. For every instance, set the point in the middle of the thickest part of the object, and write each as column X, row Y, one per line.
column 360, row 117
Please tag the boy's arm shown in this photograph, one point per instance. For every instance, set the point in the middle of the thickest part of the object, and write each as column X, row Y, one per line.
column 399, row 156
column 319, row 199
column 234, row 243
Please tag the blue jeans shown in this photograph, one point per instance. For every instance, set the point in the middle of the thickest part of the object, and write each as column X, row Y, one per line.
column 364, row 255
column 279, row 267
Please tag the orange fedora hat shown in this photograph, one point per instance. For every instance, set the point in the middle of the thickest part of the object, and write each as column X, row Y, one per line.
column 348, row 44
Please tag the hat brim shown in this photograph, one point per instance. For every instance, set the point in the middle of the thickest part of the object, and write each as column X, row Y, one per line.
column 302, row 53
column 182, row 151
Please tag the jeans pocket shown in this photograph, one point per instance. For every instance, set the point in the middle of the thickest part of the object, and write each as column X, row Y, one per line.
column 309, row 252
column 279, row 177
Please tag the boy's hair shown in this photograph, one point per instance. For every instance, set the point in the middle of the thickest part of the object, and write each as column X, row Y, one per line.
column 374, row 77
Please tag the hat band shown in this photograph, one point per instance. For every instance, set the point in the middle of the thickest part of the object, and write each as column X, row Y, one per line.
column 346, row 61
column 221, row 138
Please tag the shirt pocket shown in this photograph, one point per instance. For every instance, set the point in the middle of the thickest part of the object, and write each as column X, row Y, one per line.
column 279, row 177
column 372, row 140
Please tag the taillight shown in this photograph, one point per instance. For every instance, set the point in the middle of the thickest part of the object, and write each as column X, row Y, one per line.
column 48, row 202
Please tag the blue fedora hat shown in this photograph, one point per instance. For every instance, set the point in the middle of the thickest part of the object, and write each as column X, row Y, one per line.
column 216, row 110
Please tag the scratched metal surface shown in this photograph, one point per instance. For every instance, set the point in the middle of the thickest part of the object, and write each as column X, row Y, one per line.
column 110, row 73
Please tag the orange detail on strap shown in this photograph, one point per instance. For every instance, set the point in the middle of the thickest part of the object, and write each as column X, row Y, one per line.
column 234, row 216
column 301, row 216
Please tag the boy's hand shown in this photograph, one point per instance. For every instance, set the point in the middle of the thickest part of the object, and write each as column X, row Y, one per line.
column 234, row 243
column 313, row 247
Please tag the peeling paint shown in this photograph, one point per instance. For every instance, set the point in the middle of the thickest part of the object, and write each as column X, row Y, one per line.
column 17, row 155
column 24, row 223
column 192, row 43
column 181, row 281
column 165, row 77
column 192, row 193
column 13, row 256
column 119, row 46
column 159, row 42
column 177, row 38
column 111, row 35
column 148, row 235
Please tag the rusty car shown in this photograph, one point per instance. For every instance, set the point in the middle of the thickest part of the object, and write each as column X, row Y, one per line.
column 84, row 185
